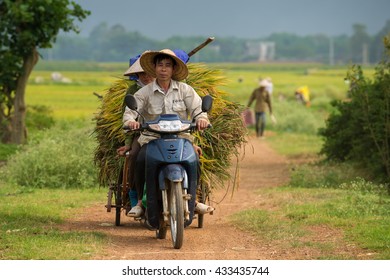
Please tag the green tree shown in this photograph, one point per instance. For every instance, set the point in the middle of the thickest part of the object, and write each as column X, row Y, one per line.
column 26, row 26
column 359, row 131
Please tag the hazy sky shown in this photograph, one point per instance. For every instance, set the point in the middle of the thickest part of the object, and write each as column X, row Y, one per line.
column 249, row 19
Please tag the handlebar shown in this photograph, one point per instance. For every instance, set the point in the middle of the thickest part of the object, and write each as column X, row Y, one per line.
column 144, row 126
column 128, row 129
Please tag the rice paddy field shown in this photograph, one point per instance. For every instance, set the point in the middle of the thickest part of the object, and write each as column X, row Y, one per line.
column 72, row 99
column 72, row 96
column 322, row 81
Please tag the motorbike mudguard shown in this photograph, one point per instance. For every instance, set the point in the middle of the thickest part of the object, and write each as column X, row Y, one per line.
column 165, row 161
column 174, row 173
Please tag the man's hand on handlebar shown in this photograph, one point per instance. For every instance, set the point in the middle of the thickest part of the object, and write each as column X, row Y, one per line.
column 202, row 124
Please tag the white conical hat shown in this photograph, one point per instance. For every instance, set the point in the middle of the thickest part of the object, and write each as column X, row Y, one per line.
column 134, row 69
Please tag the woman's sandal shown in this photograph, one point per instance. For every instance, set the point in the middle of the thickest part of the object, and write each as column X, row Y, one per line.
column 202, row 208
column 136, row 212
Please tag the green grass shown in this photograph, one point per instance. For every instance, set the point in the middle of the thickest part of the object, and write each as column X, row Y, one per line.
column 6, row 150
column 28, row 220
column 359, row 218
column 60, row 157
column 321, row 195
column 294, row 144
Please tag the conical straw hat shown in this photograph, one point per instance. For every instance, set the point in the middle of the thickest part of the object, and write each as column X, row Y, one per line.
column 147, row 63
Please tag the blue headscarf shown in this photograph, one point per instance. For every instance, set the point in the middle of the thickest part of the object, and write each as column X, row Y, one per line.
column 182, row 55
column 132, row 60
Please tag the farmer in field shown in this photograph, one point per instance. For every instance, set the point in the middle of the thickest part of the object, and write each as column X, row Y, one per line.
column 270, row 87
column 163, row 96
column 302, row 94
column 263, row 100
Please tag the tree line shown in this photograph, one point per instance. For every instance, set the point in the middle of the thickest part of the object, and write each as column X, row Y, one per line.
column 114, row 43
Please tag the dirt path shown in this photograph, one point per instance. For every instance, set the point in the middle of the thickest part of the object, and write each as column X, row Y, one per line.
column 218, row 239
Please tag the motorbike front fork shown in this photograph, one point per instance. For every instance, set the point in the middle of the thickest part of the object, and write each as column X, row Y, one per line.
column 186, row 198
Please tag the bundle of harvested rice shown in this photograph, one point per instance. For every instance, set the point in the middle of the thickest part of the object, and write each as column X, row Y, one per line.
column 108, row 131
column 228, row 133
column 219, row 143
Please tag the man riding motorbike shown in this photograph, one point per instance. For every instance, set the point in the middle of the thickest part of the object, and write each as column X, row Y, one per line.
column 166, row 95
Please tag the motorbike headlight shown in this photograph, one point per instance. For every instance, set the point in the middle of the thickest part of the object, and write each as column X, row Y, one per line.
column 170, row 126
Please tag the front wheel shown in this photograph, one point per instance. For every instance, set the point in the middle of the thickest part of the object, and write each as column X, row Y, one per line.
column 176, row 214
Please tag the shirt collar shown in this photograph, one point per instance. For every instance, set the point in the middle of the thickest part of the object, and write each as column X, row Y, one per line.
column 174, row 85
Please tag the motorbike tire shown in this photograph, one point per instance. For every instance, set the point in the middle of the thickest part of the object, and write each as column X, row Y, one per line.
column 118, row 204
column 176, row 214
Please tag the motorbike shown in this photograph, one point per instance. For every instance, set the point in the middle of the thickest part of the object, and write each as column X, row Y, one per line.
column 172, row 173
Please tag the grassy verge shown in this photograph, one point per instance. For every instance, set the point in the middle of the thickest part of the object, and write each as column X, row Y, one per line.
column 322, row 196
column 7, row 150
column 28, row 220
column 360, row 219
column 44, row 182
column 295, row 145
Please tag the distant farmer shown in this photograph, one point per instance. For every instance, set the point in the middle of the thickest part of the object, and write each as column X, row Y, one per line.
column 302, row 95
column 270, row 87
column 263, row 100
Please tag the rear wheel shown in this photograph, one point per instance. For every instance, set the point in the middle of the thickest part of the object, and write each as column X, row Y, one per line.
column 176, row 214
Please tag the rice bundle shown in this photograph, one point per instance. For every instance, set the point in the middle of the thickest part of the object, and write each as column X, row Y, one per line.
column 109, row 133
column 219, row 143
column 228, row 133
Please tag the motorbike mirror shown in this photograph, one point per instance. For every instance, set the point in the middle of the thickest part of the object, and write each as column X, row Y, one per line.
column 207, row 103
column 131, row 102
